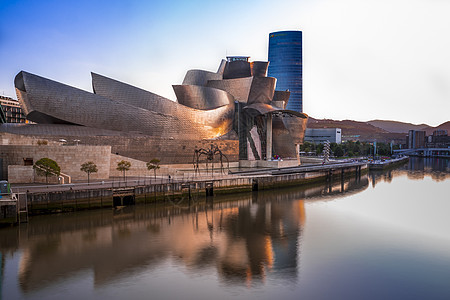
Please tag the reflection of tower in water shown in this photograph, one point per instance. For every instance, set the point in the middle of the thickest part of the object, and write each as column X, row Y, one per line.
column 262, row 238
column 2, row 266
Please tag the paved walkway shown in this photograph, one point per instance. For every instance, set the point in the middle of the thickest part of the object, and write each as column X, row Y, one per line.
column 115, row 183
column 132, row 182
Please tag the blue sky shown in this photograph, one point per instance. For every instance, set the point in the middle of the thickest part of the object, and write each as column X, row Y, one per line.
column 363, row 60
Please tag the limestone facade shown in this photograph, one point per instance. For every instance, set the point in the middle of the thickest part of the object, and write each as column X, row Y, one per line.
column 69, row 158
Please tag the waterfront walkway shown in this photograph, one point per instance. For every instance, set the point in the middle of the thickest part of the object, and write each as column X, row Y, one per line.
column 302, row 169
column 425, row 152
column 132, row 182
column 184, row 186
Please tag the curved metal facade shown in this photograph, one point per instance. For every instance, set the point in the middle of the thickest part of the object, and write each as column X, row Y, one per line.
column 285, row 57
column 128, row 94
column 259, row 68
column 125, row 93
column 76, row 106
column 238, row 98
column 201, row 97
column 239, row 88
column 262, row 90
column 200, row 77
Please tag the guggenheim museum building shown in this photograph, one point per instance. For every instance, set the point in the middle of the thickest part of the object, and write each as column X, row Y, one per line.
column 236, row 108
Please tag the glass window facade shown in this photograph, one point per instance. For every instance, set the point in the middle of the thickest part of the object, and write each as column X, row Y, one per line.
column 12, row 112
column 285, row 64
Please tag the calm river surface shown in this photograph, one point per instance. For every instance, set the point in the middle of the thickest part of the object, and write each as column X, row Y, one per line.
column 385, row 235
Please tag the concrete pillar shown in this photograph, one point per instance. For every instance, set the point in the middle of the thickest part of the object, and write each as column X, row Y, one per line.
column 297, row 151
column 269, row 137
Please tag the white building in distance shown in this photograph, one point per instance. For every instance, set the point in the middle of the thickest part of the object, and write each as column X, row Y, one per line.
column 321, row 135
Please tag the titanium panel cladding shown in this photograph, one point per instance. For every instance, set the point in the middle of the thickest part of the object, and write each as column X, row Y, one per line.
column 285, row 57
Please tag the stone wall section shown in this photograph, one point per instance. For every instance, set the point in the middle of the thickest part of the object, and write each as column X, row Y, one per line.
column 18, row 139
column 69, row 158
column 145, row 148
column 20, row 174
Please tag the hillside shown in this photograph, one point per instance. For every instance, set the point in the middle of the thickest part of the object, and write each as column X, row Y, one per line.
column 354, row 130
column 379, row 130
column 444, row 126
column 397, row 127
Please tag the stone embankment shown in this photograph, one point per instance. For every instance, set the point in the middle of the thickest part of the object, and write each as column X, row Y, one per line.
column 72, row 197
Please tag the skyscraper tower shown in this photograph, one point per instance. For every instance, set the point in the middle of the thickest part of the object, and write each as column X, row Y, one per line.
column 285, row 57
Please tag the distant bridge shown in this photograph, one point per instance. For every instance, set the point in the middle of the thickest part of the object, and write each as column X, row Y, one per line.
column 425, row 152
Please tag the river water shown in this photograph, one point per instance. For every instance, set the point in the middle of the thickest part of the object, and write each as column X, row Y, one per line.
column 384, row 235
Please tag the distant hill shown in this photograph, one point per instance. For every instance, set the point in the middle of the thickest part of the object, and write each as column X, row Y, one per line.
column 379, row 130
column 354, row 130
column 444, row 126
column 397, row 127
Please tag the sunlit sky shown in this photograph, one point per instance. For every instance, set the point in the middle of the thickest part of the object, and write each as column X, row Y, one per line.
column 362, row 60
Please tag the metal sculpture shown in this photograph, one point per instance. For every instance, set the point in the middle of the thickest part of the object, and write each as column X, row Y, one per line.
column 326, row 152
column 210, row 154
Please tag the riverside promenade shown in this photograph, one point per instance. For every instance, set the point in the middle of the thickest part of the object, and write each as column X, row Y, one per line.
column 189, row 186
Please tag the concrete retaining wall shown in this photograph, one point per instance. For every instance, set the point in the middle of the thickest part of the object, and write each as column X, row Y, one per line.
column 96, row 198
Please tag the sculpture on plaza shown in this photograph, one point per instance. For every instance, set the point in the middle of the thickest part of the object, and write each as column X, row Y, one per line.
column 209, row 155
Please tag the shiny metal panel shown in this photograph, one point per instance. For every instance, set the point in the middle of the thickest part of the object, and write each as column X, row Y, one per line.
column 200, row 97
column 283, row 144
column 296, row 127
column 128, row 94
column 238, row 87
column 200, row 77
column 262, row 90
column 281, row 96
column 259, row 68
column 237, row 69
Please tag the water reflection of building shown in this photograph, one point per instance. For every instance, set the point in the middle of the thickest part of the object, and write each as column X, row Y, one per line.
column 380, row 175
column 2, row 266
column 417, row 169
column 225, row 238
column 246, row 240
column 437, row 168
column 266, row 234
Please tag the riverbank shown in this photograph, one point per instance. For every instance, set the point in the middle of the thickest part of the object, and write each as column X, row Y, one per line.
column 63, row 198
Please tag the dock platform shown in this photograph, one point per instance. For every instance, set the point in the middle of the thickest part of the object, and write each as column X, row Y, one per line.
column 380, row 165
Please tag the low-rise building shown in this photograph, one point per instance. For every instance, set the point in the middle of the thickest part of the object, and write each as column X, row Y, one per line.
column 415, row 139
column 439, row 139
column 11, row 111
column 321, row 135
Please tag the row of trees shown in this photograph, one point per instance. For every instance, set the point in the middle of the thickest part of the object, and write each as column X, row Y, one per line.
column 48, row 167
column 350, row 149
column 124, row 166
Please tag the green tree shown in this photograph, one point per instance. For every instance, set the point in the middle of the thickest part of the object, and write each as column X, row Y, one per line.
column 319, row 149
column 383, row 149
column 307, row 147
column 153, row 165
column 338, row 151
column 89, row 167
column 46, row 167
column 123, row 166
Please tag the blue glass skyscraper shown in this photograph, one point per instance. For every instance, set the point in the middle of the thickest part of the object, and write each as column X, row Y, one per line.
column 285, row 57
